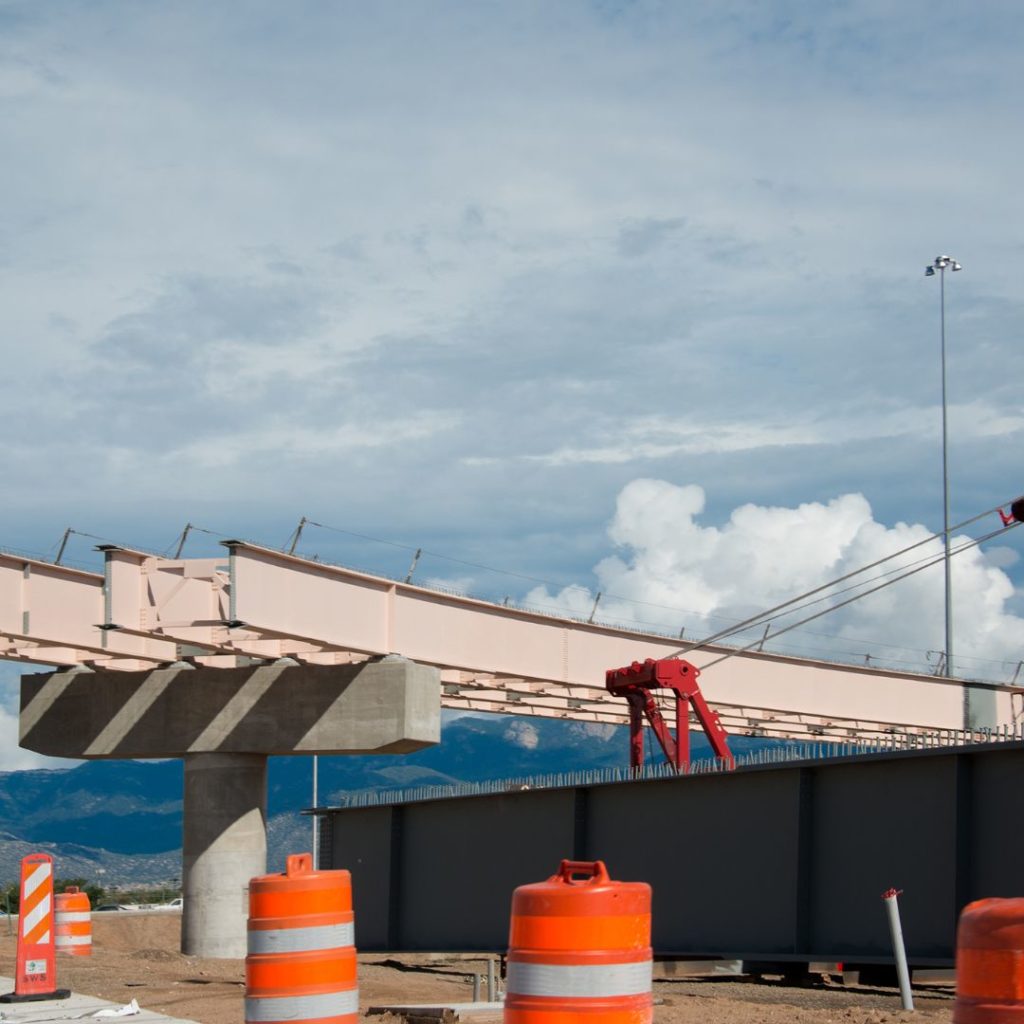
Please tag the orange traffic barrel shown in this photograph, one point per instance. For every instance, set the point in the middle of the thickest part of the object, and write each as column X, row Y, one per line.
column 73, row 932
column 990, row 963
column 580, row 950
column 302, row 959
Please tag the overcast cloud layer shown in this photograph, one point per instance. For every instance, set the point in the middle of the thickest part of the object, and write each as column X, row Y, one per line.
column 453, row 275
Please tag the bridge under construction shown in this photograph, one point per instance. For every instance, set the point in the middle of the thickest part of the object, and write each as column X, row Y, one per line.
column 225, row 661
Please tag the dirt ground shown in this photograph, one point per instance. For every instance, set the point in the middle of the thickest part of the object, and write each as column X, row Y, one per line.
column 136, row 956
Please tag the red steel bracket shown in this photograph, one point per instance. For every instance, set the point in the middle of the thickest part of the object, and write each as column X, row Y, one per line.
column 635, row 682
column 1015, row 515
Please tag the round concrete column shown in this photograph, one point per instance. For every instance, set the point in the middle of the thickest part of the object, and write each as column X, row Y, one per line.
column 225, row 844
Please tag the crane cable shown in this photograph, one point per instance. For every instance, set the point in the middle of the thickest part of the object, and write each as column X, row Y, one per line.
column 761, row 617
column 856, row 597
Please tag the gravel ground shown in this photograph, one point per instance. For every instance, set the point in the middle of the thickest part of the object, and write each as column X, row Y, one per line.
column 136, row 956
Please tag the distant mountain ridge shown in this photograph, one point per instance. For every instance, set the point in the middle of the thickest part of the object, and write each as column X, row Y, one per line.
column 119, row 822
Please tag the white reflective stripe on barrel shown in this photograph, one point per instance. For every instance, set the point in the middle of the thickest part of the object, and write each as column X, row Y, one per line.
column 74, row 940
column 301, row 940
column 578, row 980
column 281, row 1008
column 73, row 916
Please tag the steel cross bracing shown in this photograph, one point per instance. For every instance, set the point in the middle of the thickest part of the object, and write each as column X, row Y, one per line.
column 256, row 603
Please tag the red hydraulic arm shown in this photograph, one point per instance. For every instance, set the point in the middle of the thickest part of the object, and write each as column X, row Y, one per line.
column 1015, row 515
column 635, row 682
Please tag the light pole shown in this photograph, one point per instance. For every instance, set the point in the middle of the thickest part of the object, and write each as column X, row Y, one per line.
column 942, row 264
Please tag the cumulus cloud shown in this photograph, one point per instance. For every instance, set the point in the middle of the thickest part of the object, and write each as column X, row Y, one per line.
column 522, row 734
column 674, row 572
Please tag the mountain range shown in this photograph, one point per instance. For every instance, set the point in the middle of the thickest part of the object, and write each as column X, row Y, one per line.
column 118, row 823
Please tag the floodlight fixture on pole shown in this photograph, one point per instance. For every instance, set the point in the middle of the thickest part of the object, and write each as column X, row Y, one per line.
column 942, row 264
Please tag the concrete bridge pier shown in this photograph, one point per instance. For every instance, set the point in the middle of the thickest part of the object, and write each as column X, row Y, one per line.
column 224, row 845
column 224, row 723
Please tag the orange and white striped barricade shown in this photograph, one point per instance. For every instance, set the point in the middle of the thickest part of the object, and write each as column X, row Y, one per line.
column 580, row 950
column 990, row 963
column 74, row 922
column 301, row 965
column 36, row 976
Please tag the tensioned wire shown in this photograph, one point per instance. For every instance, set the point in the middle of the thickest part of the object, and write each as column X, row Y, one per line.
column 754, row 620
column 764, row 616
column 791, row 606
column 842, row 604
column 788, row 607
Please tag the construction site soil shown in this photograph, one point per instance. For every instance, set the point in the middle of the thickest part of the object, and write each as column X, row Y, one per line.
column 135, row 956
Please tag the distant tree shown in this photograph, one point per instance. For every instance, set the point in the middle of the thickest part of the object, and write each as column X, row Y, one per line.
column 9, row 896
column 96, row 893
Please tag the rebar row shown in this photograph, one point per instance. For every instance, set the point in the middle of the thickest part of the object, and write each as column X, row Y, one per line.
column 782, row 753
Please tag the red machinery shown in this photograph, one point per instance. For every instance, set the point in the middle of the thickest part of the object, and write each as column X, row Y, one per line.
column 1015, row 515
column 635, row 682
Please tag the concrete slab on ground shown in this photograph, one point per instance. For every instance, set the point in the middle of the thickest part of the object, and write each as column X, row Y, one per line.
column 75, row 1007
column 672, row 969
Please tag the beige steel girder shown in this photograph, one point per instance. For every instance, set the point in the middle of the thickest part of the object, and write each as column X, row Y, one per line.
column 258, row 604
column 53, row 614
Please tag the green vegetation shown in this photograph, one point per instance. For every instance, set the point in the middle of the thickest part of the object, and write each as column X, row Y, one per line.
column 98, row 895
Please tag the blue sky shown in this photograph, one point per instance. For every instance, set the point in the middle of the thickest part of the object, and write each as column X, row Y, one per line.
column 456, row 275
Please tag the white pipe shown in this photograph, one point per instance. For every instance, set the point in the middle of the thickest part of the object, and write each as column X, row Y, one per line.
column 892, row 910
column 316, row 817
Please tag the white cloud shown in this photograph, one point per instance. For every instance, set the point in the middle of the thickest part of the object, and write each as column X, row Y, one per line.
column 522, row 734
column 307, row 443
column 452, row 584
column 12, row 757
column 595, row 731
column 647, row 437
column 675, row 572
